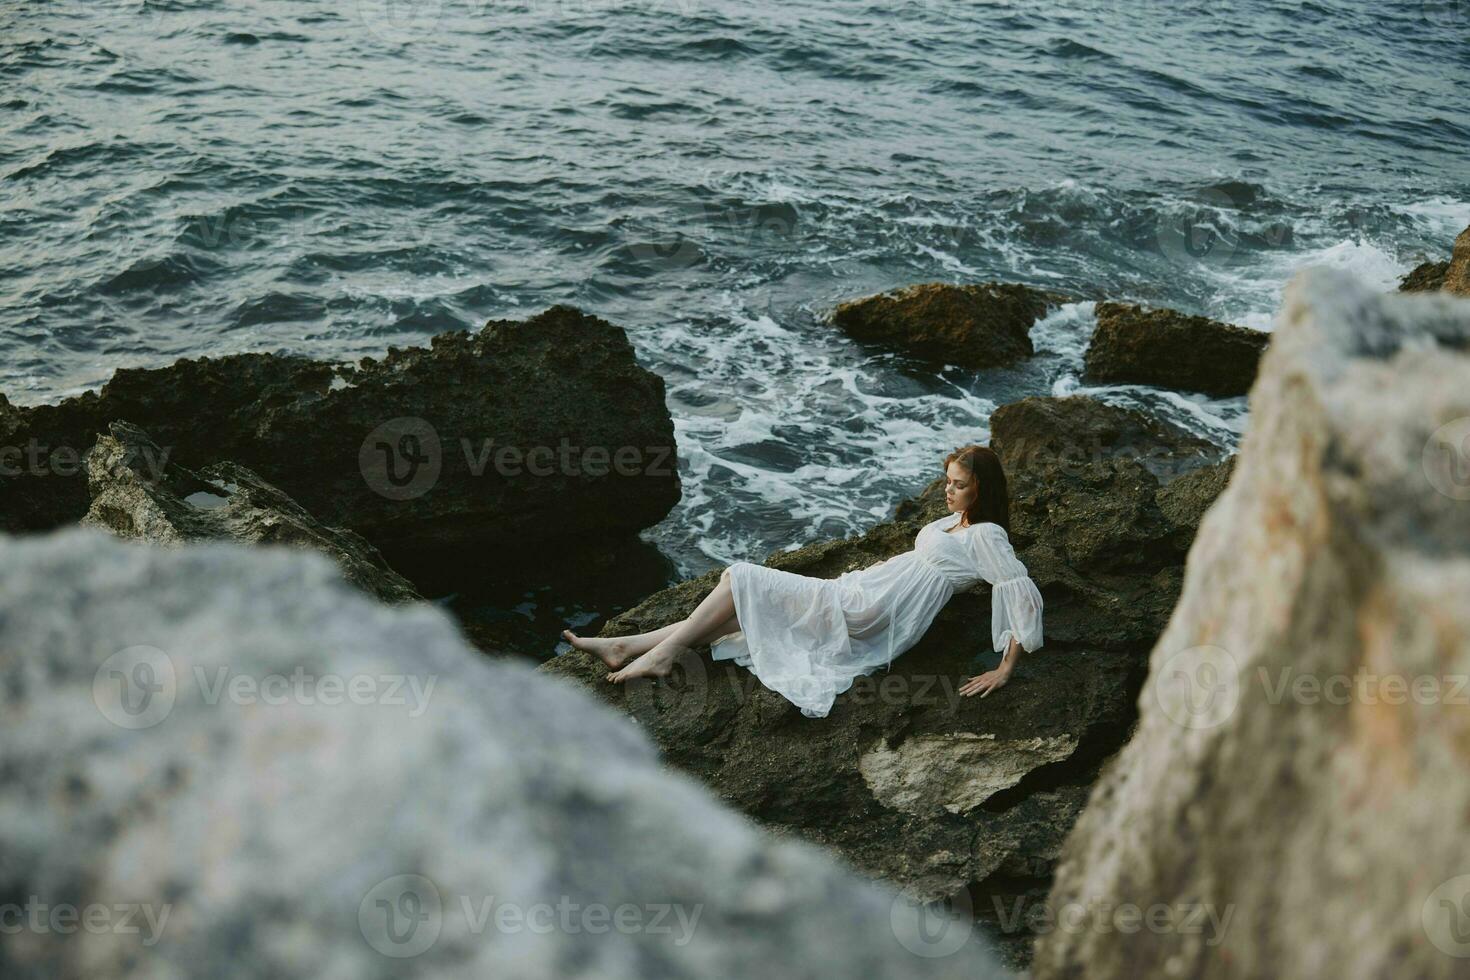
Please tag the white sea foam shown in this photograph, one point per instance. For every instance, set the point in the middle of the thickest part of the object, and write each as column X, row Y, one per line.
column 1443, row 217
column 866, row 438
column 1067, row 333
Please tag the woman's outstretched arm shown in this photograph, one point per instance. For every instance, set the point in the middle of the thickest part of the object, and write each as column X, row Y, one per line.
column 991, row 679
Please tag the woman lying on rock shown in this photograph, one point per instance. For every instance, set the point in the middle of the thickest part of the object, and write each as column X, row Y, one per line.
column 808, row 638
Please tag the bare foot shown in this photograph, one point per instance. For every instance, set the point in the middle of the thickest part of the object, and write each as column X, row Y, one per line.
column 658, row 662
column 613, row 651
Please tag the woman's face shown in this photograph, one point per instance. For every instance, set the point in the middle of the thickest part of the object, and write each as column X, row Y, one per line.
column 959, row 487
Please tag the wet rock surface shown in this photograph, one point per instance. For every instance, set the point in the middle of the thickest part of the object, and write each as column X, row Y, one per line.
column 1169, row 349
column 975, row 325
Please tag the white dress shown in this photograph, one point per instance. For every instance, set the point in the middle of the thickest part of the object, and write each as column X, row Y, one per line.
column 808, row 638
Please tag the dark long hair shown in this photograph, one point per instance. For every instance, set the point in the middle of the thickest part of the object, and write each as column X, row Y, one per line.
column 992, row 502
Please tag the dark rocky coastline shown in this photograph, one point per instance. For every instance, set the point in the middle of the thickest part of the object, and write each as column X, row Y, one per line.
column 362, row 445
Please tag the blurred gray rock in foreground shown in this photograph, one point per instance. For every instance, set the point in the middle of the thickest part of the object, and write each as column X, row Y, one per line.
column 1296, row 799
column 228, row 763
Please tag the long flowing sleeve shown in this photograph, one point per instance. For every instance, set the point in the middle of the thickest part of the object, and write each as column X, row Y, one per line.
column 1015, row 601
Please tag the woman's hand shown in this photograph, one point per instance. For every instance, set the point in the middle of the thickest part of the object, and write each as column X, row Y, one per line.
column 992, row 679
column 986, row 682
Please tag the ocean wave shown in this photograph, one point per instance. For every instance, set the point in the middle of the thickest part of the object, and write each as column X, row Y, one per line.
column 188, row 177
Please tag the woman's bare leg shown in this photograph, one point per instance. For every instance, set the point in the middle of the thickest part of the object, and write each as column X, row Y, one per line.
column 710, row 620
column 730, row 625
column 618, row 650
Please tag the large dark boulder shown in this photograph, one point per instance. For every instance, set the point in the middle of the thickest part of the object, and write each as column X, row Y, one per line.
column 521, row 433
column 957, row 797
column 1169, row 349
column 42, row 482
column 977, row 325
column 139, row 494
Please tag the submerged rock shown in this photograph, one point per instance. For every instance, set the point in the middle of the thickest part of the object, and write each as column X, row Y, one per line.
column 138, row 494
column 1296, row 799
column 954, row 797
column 234, row 765
column 978, row 325
column 521, row 433
column 1169, row 349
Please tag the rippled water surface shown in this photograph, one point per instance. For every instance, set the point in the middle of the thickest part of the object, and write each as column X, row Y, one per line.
column 332, row 176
